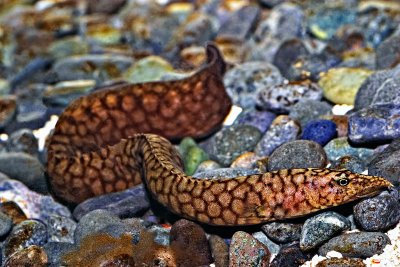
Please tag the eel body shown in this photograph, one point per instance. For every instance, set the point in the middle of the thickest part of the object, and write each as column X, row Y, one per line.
column 112, row 139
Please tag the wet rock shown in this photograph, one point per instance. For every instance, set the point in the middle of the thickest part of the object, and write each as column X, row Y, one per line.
column 351, row 163
column 272, row 247
column 341, row 122
column 224, row 173
column 25, row 168
column 247, row 160
column 196, row 30
column 259, row 119
column 192, row 155
column 320, row 131
column 188, row 238
column 356, row 245
column 232, row 141
column 340, row 85
column 288, row 52
column 298, row 154
column 388, row 53
column 25, row 234
column 60, row 229
column 380, row 123
column 5, row 224
column 360, row 57
column 282, row 232
column 340, row 147
column 219, row 251
column 386, row 163
column 245, row 81
column 290, row 255
column 23, row 140
column 33, row 256
column 8, row 108
column 69, row 46
column 119, row 229
column 282, row 130
column 207, row 165
column 128, row 203
column 245, row 250
column 377, row 214
column 341, row 262
column 107, row 7
column 281, row 98
column 12, row 210
column 307, row 109
column 55, row 251
column 320, row 228
column 161, row 234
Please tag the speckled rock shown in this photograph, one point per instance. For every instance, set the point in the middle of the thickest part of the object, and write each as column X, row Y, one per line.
column 380, row 123
column 282, row 130
column 340, row 85
column 245, row 250
column 340, row 147
column 320, row 131
column 8, row 108
column 23, row 140
column 282, row 232
column 150, row 68
column 25, row 234
column 341, row 262
column 60, row 229
column 307, row 109
column 320, row 228
column 281, row 98
column 244, row 81
column 290, row 255
column 351, row 163
column 248, row 160
column 219, row 251
column 32, row 256
column 12, row 210
column 224, row 173
column 298, row 154
column 233, row 141
column 387, row 163
column 272, row 247
column 5, row 224
column 161, row 234
column 192, row 155
column 381, row 87
column 127, row 203
column 388, row 53
column 207, row 165
column 377, row 214
column 188, row 237
column 356, row 245
column 259, row 119
column 55, row 251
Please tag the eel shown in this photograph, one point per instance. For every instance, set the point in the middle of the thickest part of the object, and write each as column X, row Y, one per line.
column 117, row 137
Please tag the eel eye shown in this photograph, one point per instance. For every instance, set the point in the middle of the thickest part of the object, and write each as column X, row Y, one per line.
column 343, row 181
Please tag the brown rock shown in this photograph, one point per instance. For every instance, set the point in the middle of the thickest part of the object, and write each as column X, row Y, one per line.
column 219, row 250
column 13, row 211
column 32, row 256
column 341, row 262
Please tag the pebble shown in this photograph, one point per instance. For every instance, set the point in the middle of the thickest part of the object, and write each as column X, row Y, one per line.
column 233, row 141
column 161, row 234
column 386, row 163
column 219, row 251
column 290, row 255
column 32, row 256
column 23, row 140
column 307, row 110
column 322, row 227
column 298, row 154
column 207, row 165
column 341, row 262
column 320, row 131
column 357, row 244
column 283, row 129
column 12, row 210
column 340, row 147
column 377, row 214
column 379, row 88
column 8, row 108
column 281, row 98
column 245, row 81
column 342, row 123
column 340, row 85
column 5, row 224
column 55, row 251
column 259, row 119
column 281, row 232
column 124, row 204
column 25, row 234
column 248, row 160
column 224, row 173
column 350, row 163
column 245, row 250
column 60, row 229
column 388, row 53
column 192, row 155
column 119, row 229
column 68, row 46
column 379, row 123
column 190, row 239
column 272, row 247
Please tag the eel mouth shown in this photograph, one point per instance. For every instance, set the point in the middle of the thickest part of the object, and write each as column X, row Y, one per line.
column 374, row 190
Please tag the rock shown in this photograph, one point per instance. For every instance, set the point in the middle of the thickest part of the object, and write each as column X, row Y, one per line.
column 320, row 131
column 340, row 147
column 281, row 98
column 5, row 224
column 25, row 234
column 68, row 46
column 307, row 109
column 23, row 140
column 224, row 173
column 320, row 228
column 3, row 176
column 340, row 85
column 282, row 130
column 107, row 7
column 190, row 239
column 298, row 154
column 272, row 247
column 271, row 3
column 25, row 168
column 124, row 204
column 356, row 245
column 219, row 251
column 8, row 108
column 388, row 53
column 119, row 229
column 377, row 214
column 341, row 262
column 55, row 251
column 232, row 141
column 207, row 165
column 162, row 235
column 147, row 69
column 33, row 256
column 93, row 222
column 350, row 163
column 290, row 255
column 360, row 57
column 379, row 88
column 248, row 160
column 197, row 30
column 192, row 155
column 342, row 123
column 379, row 123
column 245, row 81
column 12, row 210
column 386, row 163
column 282, row 232
column 60, row 229
column 259, row 119
column 245, row 250
column 32, row 72
column 288, row 52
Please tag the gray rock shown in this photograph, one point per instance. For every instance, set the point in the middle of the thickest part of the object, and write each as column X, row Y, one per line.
column 23, row 140
column 320, row 228
column 161, row 234
column 259, row 119
column 224, row 173
column 272, row 247
column 356, row 245
column 351, row 163
column 298, row 154
column 377, row 214
column 5, row 224
column 121, row 228
column 55, row 252
column 290, row 255
column 282, row 232
column 207, row 165
column 340, row 147
column 388, row 53
column 8, row 108
column 61, row 229
column 308, row 109
column 387, row 163
column 3, row 177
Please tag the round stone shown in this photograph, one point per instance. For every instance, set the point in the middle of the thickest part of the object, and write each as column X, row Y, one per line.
column 320, row 131
column 307, row 110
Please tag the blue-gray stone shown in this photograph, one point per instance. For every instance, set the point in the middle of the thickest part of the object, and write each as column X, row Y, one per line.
column 288, row 52
column 272, row 247
column 379, row 123
column 5, row 224
column 290, row 255
column 118, row 229
column 161, row 234
column 377, row 214
column 388, row 52
column 340, row 147
column 23, row 140
column 55, row 252
column 351, row 163
column 322, row 227
column 259, row 119
column 60, row 228
column 124, row 204
column 307, row 109
column 387, row 163
column 281, row 232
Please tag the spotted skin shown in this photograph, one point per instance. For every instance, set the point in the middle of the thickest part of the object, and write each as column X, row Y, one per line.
column 98, row 147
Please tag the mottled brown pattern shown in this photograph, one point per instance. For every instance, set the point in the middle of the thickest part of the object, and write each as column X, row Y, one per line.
column 98, row 147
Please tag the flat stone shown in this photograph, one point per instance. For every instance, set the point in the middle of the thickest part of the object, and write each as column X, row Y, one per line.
column 308, row 109
column 387, row 163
